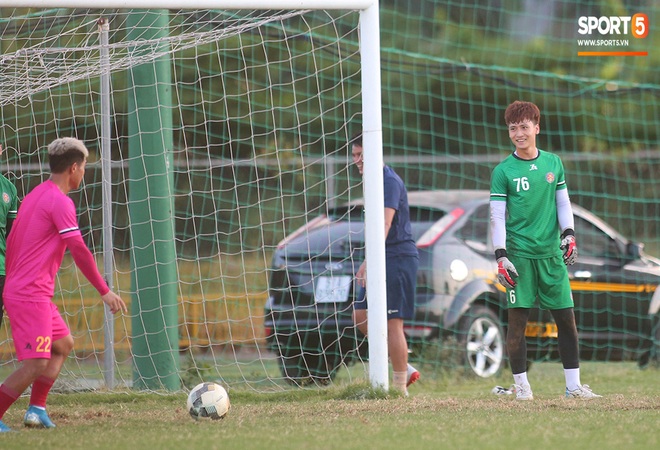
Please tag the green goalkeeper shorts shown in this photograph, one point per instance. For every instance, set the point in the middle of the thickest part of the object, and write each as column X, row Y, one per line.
column 545, row 278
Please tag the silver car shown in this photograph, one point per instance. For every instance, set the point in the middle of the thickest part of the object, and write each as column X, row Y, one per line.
column 460, row 316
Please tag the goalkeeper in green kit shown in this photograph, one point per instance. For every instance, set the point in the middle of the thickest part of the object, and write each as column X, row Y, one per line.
column 532, row 228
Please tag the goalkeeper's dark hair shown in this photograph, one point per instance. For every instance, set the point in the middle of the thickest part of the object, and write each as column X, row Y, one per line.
column 518, row 112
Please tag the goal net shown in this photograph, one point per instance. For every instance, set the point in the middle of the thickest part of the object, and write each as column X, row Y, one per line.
column 237, row 219
column 238, row 121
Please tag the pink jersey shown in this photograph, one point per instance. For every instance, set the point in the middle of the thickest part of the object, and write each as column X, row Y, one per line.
column 36, row 244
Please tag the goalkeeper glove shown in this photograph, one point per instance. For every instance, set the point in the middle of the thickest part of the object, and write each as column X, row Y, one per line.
column 569, row 247
column 506, row 271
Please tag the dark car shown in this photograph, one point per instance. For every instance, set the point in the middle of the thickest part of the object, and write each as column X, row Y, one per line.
column 308, row 313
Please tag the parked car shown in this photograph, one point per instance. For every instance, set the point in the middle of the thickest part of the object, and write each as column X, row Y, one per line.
column 308, row 313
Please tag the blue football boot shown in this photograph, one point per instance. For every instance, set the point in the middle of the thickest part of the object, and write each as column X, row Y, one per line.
column 36, row 417
column 4, row 428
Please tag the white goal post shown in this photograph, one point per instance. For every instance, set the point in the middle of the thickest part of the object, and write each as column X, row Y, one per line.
column 369, row 32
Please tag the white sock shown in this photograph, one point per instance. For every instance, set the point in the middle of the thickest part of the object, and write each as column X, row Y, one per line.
column 399, row 381
column 572, row 378
column 520, row 379
column 411, row 369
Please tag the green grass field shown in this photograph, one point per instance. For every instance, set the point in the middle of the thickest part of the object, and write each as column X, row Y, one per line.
column 443, row 411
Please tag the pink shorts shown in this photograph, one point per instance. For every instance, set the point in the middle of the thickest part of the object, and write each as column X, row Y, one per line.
column 34, row 327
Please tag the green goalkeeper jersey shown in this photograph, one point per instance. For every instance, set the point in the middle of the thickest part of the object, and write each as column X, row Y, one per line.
column 8, row 210
column 529, row 189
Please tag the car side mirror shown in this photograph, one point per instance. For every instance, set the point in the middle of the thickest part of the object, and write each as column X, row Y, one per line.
column 634, row 250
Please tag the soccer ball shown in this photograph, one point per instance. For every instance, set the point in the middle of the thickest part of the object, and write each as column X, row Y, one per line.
column 208, row 400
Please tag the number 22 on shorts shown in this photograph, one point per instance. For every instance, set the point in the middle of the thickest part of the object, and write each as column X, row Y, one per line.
column 43, row 344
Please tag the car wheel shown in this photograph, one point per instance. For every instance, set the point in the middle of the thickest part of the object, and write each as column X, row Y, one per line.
column 292, row 370
column 302, row 361
column 323, row 366
column 290, row 360
column 482, row 341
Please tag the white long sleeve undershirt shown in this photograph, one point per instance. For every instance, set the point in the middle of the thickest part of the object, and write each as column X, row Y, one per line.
column 564, row 210
column 498, row 224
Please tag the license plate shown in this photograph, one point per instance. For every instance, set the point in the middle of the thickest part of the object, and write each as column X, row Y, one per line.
column 541, row 330
column 332, row 289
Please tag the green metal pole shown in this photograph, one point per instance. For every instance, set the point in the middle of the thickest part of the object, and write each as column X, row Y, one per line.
column 154, row 305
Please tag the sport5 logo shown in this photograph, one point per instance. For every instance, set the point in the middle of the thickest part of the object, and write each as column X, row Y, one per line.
column 637, row 25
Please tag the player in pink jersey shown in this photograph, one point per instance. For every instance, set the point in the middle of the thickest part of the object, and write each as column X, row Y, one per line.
column 45, row 227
